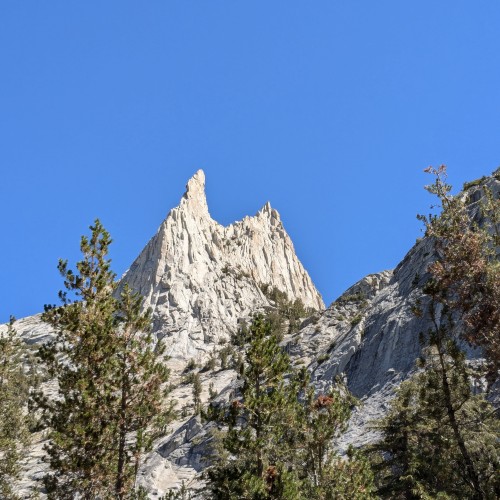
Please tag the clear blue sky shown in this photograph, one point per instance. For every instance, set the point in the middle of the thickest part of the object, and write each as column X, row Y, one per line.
column 329, row 109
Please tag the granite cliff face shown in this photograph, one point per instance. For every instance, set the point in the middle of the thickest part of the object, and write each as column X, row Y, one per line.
column 200, row 277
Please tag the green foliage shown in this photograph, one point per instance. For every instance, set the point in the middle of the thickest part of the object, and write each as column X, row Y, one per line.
column 211, row 363
column 191, row 365
column 355, row 297
column 15, row 385
column 111, row 382
column 188, row 379
column 181, row 494
column 212, row 393
column 466, row 274
column 277, row 437
column 439, row 439
column 322, row 358
column 324, row 418
column 292, row 311
column 425, row 432
column 241, row 336
column 197, row 388
column 476, row 182
column 141, row 384
column 356, row 320
column 257, row 423
column 224, row 355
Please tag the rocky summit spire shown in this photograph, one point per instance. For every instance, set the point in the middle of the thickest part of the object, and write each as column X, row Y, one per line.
column 200, row 277
column 267, row 212
column 195, row 198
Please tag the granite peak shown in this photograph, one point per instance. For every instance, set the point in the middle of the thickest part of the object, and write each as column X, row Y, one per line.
column 200, row 277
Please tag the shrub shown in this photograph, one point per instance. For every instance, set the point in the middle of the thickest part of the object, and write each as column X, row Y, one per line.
column 322, row 358
column 356, row 320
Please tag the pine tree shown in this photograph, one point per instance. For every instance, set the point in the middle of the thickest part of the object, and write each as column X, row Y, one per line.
column 109, row 381
column 439, row 438
column 464, row 287
column 426, row 431
column 278, row 441
column 141, row 387
column 322, row 419
column 15, row 383
column 251, row 461
column 197, row 388
column 466, row 273
column 81, row 358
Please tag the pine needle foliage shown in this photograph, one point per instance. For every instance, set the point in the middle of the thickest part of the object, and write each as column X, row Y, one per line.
column 110, row 381
column 141, row 388
column 324, row 418
column 275, row 438
column 437, row 444
column 249, row 463
column 440, row 440
column 15, row 385
column 465, row 277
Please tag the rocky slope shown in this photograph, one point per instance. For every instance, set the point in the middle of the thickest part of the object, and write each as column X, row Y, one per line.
column 201, row 278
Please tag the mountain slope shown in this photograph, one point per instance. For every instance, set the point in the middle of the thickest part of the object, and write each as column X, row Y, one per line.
column 369, row 336
column 201, row 278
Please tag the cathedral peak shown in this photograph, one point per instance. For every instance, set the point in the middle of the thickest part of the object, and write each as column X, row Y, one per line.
column 195, row 192
column 269, row 212
column 196, row 185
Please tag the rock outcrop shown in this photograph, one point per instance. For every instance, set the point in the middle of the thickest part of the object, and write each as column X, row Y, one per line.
column 200, row 277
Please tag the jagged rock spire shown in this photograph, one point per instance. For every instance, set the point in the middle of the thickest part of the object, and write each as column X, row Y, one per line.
column 195, row 197
column 201, row 277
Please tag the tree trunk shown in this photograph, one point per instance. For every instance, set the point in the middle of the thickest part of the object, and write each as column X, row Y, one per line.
column 469, row 464
column 120, row 476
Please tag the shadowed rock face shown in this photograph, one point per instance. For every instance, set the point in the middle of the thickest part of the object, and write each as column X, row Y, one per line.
column 200, row 277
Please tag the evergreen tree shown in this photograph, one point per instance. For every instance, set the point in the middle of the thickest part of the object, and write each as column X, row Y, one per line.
column 278, row 437
column 15, row 383
column 141, row 387
column 326, row 475
column 82, row 360
column 181, row 494
column 466, row 274
column 109, row 381
column 197, row 388
column 252, row 462
column 439, row 439
column 437, row 444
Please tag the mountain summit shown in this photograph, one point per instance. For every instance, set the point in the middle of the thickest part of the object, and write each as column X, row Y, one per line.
column 200, row 277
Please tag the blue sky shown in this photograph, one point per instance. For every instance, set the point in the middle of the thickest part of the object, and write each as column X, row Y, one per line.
column 331, row 110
